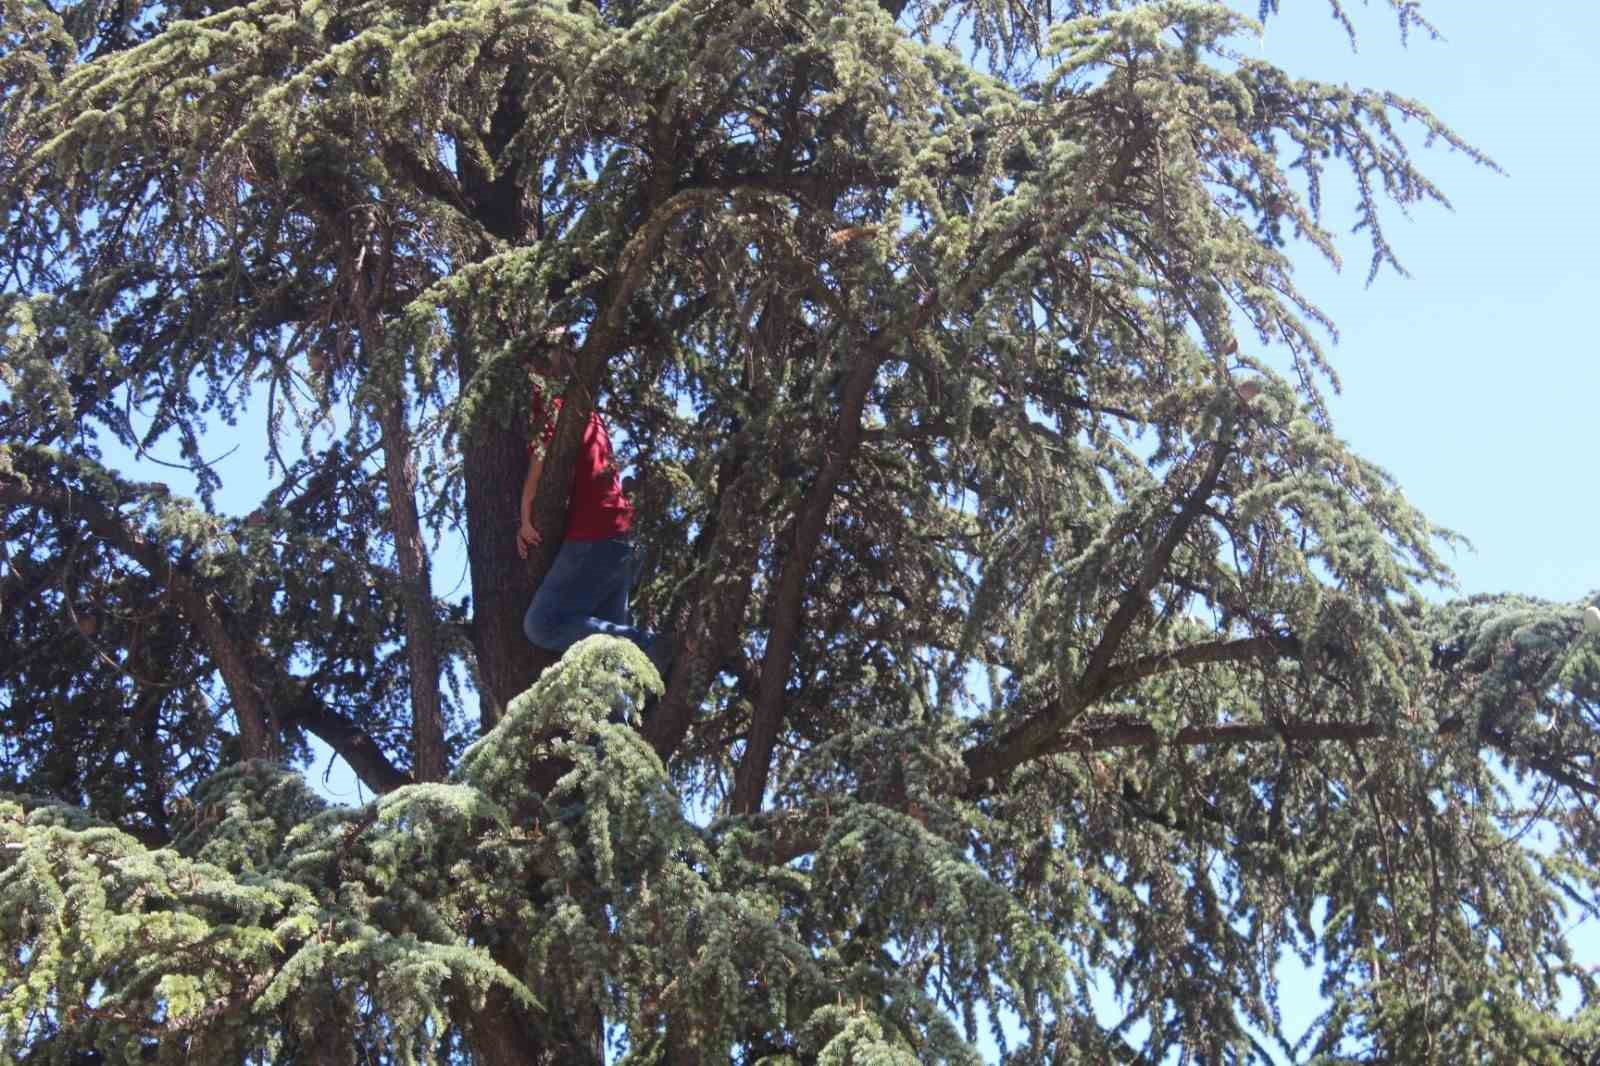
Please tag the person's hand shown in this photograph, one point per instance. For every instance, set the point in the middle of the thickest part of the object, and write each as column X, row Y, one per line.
column 527, row 537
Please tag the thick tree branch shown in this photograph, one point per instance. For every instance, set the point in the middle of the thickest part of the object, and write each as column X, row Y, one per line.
column 985, row 764
column 578, row 398
column 1034, row 735
column 750, row 781
column 721, row 597
column 1221, row 651
column 730, row 557
column 788, row 834
column 1544, row 764
column 416, row 592
column 1107, row 736
column 1137, row 597
column 348, row 741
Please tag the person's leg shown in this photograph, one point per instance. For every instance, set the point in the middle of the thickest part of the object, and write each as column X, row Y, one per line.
column 585, row 592
column 658, row 647
column 565, row 597
column 613, row 607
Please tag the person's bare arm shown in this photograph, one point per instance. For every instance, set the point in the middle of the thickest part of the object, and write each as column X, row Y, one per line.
column 527, row 536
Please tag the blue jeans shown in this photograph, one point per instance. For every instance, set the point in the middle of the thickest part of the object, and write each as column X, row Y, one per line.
column 585, row 592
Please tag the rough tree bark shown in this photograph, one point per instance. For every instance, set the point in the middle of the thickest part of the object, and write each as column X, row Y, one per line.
column 494, row 460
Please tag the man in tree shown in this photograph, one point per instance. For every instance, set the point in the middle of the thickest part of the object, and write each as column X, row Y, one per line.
column 586, row 589
column 980, row 320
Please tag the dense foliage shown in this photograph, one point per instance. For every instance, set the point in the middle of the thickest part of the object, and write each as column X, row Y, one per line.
column 1038, row 639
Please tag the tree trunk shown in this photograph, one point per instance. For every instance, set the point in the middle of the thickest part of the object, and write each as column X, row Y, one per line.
column 494, row 461
column 416, row 591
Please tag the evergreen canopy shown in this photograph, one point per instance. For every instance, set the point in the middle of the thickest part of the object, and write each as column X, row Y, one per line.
column 1025, row 648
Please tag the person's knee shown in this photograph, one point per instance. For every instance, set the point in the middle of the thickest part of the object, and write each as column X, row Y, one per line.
column 541, row 626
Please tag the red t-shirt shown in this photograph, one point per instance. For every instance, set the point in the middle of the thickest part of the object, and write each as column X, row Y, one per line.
column 597, row 509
